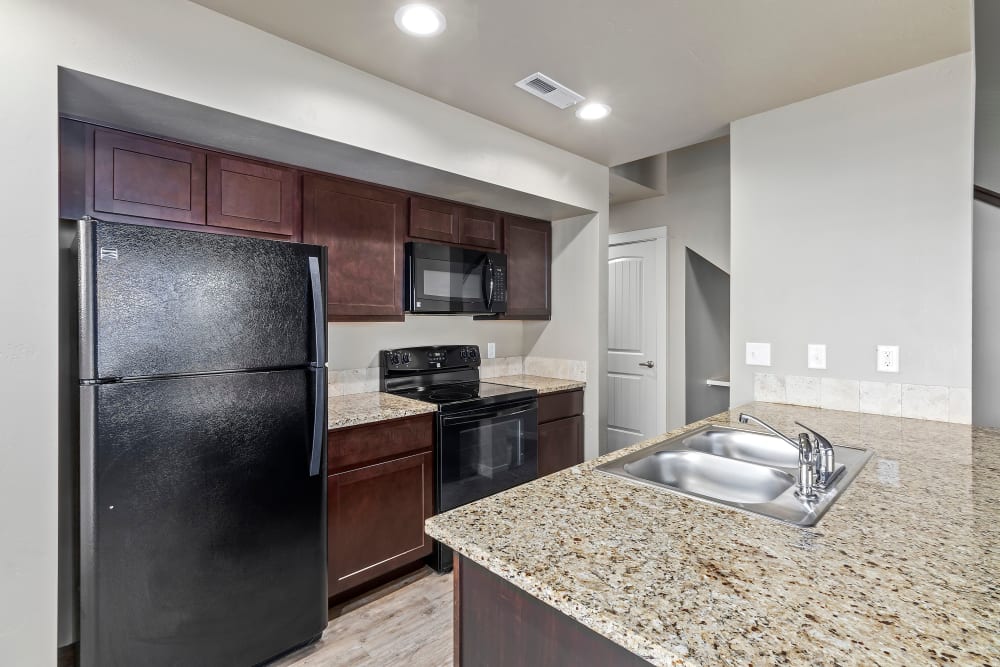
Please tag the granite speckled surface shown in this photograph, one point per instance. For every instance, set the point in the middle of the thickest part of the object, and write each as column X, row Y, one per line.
column 374, row 406
column 544, row 385
column 903, row 570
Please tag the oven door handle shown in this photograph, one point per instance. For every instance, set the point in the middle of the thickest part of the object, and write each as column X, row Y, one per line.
column 466, row 417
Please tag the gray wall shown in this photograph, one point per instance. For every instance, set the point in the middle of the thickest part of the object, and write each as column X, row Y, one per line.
column 356, row 345
column 852, row 226
column 706, row 324
column 986, row 316
column 988, row 94
column 695, row 211
column 986, row 233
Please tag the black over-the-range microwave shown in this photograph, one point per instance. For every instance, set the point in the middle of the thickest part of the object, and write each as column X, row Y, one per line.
column 443, row 279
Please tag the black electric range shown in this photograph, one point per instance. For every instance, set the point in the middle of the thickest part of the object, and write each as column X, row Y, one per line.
column 486, row 433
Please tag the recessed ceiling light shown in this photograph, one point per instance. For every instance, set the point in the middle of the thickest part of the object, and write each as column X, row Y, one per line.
column 593, row 111
column 421, row 20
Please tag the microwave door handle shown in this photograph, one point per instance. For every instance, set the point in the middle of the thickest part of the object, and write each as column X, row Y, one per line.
column 488, row 284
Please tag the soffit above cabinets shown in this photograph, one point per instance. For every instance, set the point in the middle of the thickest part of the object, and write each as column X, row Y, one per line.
column 675, row 73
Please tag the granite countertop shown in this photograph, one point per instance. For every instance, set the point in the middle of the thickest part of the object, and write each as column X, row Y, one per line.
column 373, row 406
column 902, row 570
column 544, row 385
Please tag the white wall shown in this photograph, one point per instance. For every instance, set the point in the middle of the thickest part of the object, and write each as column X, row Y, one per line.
column 852, row 226
column 183, row 50
column 695, row 211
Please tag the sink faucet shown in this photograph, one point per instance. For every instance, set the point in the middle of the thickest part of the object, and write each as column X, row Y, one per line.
column 817, row 466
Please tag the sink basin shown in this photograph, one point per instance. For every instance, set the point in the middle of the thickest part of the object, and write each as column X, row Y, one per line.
column 748, row 446
column 711, row 476
column 737, row 468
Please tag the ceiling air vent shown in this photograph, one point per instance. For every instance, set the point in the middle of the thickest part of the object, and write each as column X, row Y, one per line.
column 549, row 90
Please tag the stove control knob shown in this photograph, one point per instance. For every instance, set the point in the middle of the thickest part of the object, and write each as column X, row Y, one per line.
column 465, row 353
column 394, row 359
column 406, row 357
column 472, row 353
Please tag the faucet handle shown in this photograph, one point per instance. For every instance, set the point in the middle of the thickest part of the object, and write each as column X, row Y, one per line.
column 820, row 439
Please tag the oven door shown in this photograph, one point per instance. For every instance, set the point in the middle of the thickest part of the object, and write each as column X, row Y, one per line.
column 446, row 279
column 484, row 451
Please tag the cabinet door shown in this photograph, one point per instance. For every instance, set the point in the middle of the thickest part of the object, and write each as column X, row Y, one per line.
column 434, row 220
column 375, row 517
column 560, row 444
column 529, row 268
column 480, row 227
column 256, row 197
column 364, row 228
column 148, row 178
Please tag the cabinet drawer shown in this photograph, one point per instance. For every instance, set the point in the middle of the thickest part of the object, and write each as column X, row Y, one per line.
column 373, row 442
column 560, row 444
column 559, row 406
column 375, row 519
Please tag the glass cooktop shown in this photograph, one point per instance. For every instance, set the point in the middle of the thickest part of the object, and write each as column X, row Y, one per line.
column 476, row 393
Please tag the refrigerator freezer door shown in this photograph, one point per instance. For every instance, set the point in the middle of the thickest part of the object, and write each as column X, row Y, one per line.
column 167, row 302
column 202, row 530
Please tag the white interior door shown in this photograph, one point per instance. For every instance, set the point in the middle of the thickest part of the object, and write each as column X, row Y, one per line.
column 635, row 316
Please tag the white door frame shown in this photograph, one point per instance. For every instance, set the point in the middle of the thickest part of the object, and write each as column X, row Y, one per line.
column 659, row 235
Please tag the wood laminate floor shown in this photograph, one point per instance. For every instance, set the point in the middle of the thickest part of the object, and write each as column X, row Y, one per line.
column 408, row 622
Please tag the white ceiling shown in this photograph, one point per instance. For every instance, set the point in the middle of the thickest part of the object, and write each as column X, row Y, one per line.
column 675, row 71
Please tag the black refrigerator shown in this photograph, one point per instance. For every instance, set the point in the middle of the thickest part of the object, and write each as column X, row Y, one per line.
column 202, row 446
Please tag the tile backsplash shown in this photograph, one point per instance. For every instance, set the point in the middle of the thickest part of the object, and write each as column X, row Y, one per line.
column 363, row 380
column 917, row 401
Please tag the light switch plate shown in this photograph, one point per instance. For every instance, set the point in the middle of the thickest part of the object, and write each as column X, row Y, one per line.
column 758, row 354
column 887, row 358
column 816, row 355
column 491, row 350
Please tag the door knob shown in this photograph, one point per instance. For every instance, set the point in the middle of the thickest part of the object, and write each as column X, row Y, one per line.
column 647, row 364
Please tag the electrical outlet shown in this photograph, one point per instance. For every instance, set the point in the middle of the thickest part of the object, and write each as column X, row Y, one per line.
column 491, row 350
column 816, row 355
column 887, row 359
column 758, row 354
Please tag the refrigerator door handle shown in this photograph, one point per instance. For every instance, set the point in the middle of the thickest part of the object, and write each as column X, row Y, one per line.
column 319, row 421
column 319, row 321
column 319, row 357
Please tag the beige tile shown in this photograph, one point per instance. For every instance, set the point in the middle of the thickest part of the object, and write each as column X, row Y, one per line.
column 925, row 402
column 960, row 405
column 769, row 388
column 800, row 390
column 881, row 398
column 836, row 394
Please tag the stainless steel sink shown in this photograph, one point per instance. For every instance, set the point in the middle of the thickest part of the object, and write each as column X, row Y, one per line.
column 745, row 470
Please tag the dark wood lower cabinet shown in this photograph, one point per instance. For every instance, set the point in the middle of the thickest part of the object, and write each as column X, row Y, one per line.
column 378, row 498
column 560, row 444
column 560, row 431
column 499, row 625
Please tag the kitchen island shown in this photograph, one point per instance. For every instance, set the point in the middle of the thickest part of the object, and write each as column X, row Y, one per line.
column 901, row 571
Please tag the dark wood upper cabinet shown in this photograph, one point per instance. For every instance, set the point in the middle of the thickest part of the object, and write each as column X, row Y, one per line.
column 364, row 229
column 434, row 220
column 148, row 178
column 248, row 195
column 481, row 228
column 528, row 244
